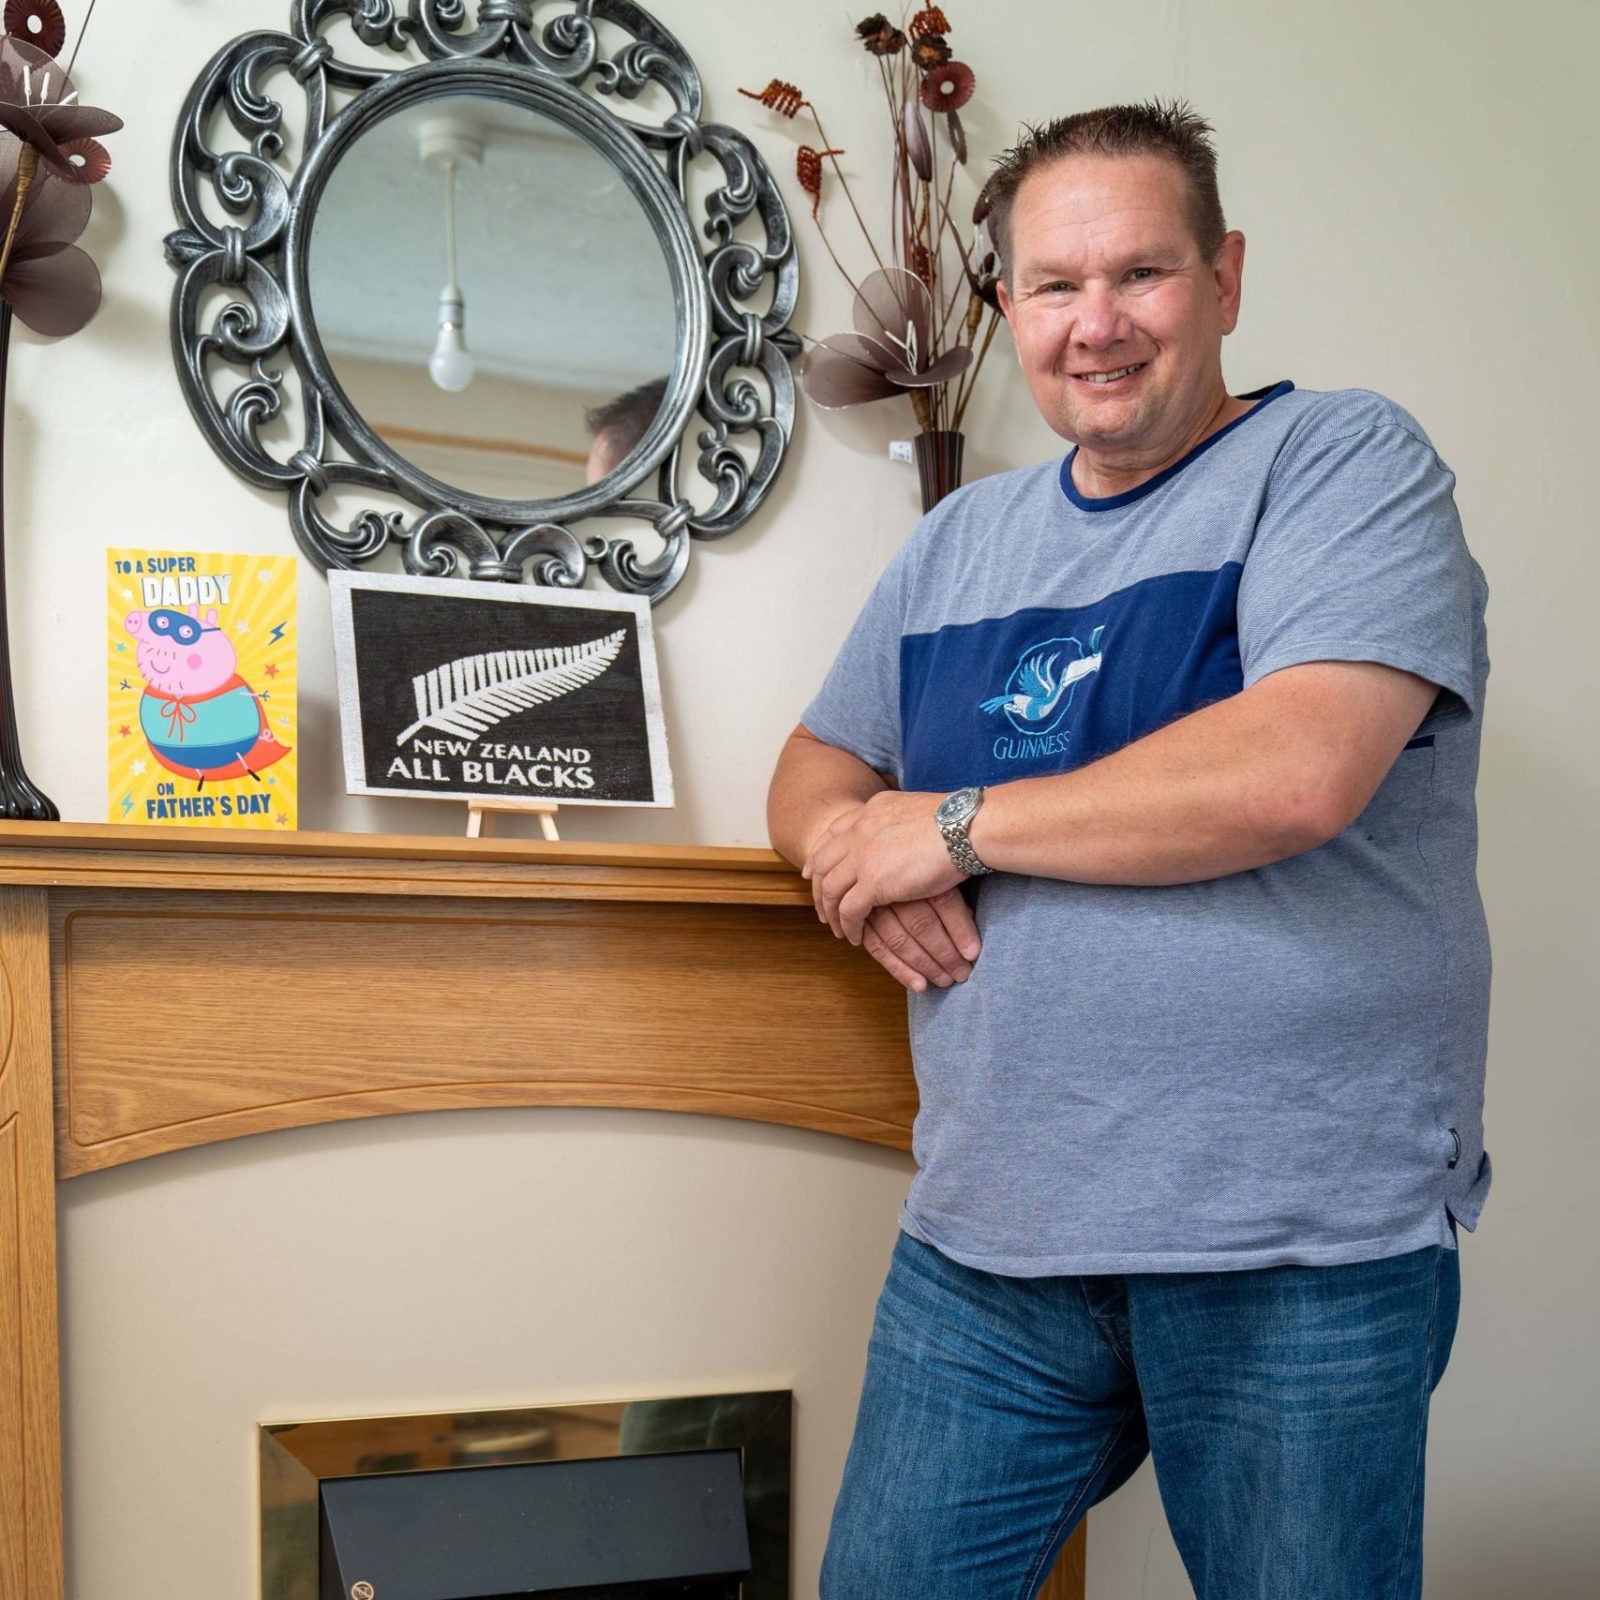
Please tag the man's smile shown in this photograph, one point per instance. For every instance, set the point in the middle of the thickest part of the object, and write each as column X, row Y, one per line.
column 1108, row 376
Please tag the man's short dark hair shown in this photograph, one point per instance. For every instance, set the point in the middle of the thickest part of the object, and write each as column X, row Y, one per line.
column 1173, row 130
column 627, row 418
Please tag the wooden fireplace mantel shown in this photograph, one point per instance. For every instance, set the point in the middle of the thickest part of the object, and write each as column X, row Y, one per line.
column 162, row 989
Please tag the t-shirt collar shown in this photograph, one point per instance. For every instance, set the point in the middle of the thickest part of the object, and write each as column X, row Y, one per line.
column 1112, row 502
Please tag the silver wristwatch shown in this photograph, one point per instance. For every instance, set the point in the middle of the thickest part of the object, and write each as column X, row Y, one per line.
column 954, row 815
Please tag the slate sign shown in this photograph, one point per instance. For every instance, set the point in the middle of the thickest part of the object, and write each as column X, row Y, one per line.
column 457, row 689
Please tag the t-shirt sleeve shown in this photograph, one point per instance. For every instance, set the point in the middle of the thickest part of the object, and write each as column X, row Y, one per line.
column 858, row 706
column 1359, row 556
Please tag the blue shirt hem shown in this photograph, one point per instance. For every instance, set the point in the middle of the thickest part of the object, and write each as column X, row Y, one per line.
column 1434, row 1230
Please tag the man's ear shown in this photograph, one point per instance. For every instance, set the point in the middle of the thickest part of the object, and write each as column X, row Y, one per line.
column 1228, row 275
column 1004, row 297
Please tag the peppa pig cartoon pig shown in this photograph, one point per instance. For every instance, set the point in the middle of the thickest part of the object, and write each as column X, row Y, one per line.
column 201, row 719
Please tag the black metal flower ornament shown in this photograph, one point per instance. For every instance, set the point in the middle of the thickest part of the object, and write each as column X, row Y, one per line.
column 49, row 159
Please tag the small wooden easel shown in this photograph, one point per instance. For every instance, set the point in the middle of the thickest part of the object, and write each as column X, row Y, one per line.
column 481, row 807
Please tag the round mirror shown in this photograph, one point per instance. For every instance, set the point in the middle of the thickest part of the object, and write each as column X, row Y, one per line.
column 491, row 298
column 495, row 271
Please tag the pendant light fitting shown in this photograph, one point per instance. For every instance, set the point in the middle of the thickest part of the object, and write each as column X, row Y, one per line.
column 449, row 143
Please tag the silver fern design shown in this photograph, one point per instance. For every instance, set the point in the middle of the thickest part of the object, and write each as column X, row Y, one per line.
column 473, row 693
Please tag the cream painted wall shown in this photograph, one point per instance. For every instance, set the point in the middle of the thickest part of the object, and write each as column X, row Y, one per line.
column 1417, row 182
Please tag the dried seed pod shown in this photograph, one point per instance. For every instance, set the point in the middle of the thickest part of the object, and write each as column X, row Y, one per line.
column 921, row 262
column 784, row 98
column 928, row 20
column 974, row 315
column 930, row 51
column 879, row 36
column 958, row 138
column 918, row 150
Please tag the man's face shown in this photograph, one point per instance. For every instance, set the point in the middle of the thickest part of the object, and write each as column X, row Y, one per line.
column 1106, row 276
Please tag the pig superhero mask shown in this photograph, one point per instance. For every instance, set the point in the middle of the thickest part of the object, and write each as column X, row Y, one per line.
column 200, row 717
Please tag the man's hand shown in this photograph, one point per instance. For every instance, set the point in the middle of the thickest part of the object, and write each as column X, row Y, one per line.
column 882, row 853
column 919, row 942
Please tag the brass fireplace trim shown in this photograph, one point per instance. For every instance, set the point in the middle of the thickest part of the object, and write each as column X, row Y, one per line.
column 295, row 1457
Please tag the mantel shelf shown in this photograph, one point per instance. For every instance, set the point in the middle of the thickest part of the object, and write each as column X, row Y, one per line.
column 56, row 855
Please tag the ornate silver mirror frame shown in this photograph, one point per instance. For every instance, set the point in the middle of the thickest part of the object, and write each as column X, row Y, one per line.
column 723, row 339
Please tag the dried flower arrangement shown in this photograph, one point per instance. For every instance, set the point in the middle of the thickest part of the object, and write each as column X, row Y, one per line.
column 926, row 316
column 49, row 158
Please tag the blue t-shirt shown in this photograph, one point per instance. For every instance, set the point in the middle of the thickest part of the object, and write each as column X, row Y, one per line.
column 1282, row 1065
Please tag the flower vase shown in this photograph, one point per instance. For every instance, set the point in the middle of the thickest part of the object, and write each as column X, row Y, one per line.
column 20, row 801
column 938, row 456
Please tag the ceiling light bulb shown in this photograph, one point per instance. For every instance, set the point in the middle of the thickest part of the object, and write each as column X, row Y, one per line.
column 451, row 365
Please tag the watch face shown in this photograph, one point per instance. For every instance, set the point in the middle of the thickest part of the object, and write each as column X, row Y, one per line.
column 958, row 806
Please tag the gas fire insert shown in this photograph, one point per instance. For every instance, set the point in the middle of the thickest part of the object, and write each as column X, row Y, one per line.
column 687, row 1497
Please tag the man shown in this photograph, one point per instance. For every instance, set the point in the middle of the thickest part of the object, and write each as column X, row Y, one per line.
column 1193, row 717
column 617, row 426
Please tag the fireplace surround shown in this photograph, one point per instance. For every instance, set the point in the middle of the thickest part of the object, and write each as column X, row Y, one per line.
column 646, row 977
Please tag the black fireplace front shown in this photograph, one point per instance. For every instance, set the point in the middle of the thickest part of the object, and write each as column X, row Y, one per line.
column 617, row 1528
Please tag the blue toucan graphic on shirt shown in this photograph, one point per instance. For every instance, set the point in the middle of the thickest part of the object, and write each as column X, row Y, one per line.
column 1040, row 690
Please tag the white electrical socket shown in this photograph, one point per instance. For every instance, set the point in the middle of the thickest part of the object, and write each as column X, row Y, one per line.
column 900, row 450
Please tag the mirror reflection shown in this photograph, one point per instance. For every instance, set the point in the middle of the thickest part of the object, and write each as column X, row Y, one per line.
column 492, row 298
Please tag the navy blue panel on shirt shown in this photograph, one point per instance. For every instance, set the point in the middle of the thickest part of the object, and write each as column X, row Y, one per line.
column 1044, row 690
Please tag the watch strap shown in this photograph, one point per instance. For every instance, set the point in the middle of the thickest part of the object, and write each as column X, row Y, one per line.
column 962, row 855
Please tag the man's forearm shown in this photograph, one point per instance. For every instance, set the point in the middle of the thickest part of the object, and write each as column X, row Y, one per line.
column 1172, row 808
column 814, row 782
column 1266, row 774
column 1220, row 791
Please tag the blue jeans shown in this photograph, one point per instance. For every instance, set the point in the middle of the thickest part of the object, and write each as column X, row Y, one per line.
column 1286, row 1410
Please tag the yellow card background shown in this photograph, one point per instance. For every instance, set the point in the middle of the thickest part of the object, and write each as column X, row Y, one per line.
column 261, row 599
